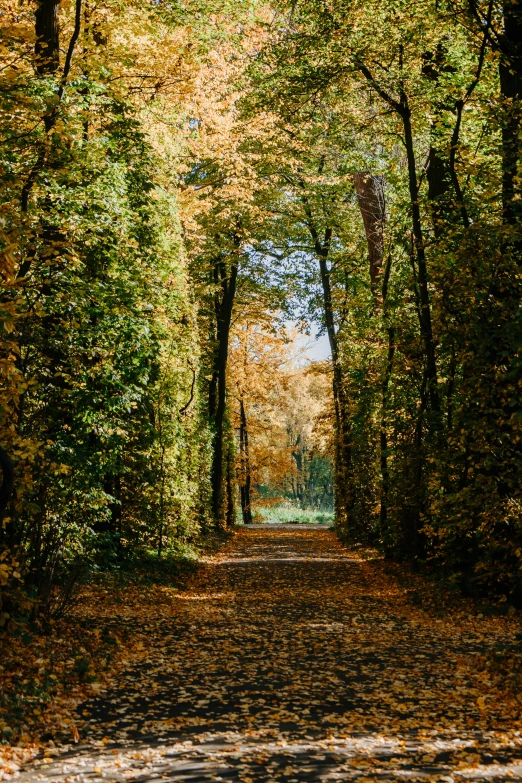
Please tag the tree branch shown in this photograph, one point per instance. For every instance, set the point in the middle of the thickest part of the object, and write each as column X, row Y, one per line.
column 386, row 97
column 185, row 408
column 70, row 50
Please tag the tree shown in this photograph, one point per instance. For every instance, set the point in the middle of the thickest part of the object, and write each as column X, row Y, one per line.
column 279, row 402
column 404, row 93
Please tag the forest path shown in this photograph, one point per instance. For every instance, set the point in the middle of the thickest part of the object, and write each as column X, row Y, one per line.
column 291, row 659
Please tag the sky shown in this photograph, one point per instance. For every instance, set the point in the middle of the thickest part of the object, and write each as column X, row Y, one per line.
column 315, row 348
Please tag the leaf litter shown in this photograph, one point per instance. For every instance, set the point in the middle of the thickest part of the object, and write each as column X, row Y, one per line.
column 289, row 658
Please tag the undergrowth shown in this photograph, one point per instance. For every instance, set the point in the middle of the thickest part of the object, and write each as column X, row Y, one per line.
column 43, row 664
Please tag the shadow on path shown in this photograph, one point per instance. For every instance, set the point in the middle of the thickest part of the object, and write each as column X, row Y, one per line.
column 291, row 660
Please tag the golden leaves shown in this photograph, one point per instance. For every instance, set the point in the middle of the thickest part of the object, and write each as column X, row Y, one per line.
column 297, row 659
column 285, row 399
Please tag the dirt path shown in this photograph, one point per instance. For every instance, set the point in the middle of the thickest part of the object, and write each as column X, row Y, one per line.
column 290, row 659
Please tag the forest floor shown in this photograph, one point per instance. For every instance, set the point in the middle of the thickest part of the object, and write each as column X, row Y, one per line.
column 289, row 658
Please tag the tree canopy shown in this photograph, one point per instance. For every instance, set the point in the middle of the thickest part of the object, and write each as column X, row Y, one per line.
column 179, row 181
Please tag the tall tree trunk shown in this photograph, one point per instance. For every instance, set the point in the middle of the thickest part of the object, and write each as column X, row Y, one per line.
column 510, row 72
column 47, row 63
column 343, row 447
column 402, row 108
column 246, row 476
column 230, row 517
column 218, row 386
column 370, row 197
column 426, row 327
column 6, row 488
column 297, row 454
column 47, row 56
column 344, row 494
column 437, row 172
column 385, row 473
column 418, row 537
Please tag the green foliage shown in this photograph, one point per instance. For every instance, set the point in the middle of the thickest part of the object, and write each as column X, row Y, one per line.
column 101, row 414
column 430, row 354
column 198, row 165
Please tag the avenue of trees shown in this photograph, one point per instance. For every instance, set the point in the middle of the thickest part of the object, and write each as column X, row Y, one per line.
column 179, row 180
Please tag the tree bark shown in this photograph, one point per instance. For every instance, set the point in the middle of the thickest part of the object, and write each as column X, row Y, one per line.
column 47, row 30
column 47, row 56
column 437, row 172
column 343, row 441
column 402, row 108
column 297, row 454
column 218, row 386
column 47, row 63
column 438, row 186
column 245, row 488
column 230, row 517
column 418, row 537
column 421, row 269
column 370, row 197
column 510, row 72
column 6, row 489
column 385, row 473
column 343, row 447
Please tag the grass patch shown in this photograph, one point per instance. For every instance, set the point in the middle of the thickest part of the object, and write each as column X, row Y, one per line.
column 277, row 515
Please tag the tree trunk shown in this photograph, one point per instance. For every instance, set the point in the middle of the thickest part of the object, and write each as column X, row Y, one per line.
column 385, row 474
column 230, row 517
column 245, row 488
column 47, row 62
column 343, row 461
column 297, row 454
column 403, row 110
column 218, row 388
column 418, row 537
column 6, row 489
column 343, row 441
column 47, row 31
column 421, row 270
column 510, row 72
column 343, row 448
column 370, row 197
column 438, row 186
column 437, row 172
